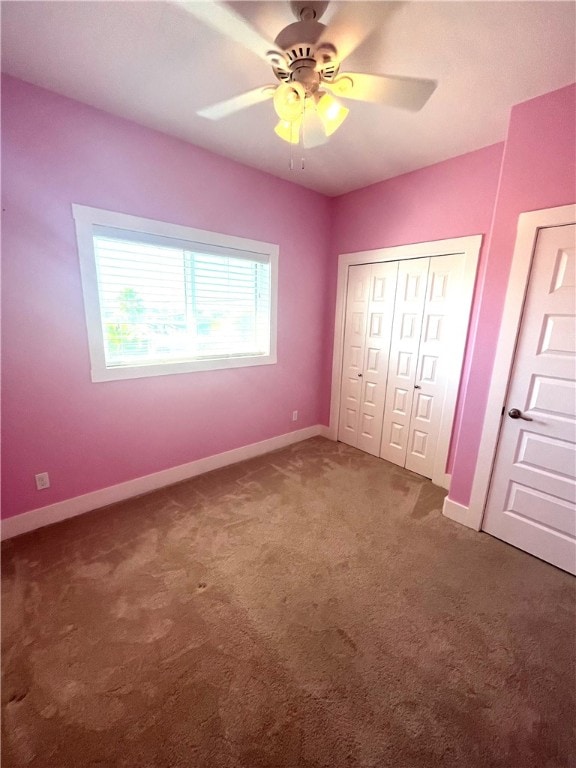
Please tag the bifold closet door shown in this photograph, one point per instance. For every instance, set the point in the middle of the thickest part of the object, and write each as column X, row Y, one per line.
column 404, row 349
column 367, row 332
column 434, row 359
column 427, row 308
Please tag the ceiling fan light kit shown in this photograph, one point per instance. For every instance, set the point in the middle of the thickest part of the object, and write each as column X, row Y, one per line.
column 295, row 107
column 306, row 63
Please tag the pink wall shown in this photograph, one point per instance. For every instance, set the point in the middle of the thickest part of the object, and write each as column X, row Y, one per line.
column 483, row 192
column 538, row 171
column 449, row 199
column 89, row 436
column 56, row 151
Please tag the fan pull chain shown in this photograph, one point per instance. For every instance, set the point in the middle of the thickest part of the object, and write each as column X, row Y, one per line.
column 300, row 143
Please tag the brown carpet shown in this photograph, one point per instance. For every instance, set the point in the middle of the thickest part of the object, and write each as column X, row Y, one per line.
column 307, row 609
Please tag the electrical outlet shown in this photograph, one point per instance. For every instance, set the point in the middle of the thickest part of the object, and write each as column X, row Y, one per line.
column 42, row 481
column 294, row 415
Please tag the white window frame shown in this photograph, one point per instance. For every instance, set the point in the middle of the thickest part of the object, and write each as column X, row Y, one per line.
column 86, row 218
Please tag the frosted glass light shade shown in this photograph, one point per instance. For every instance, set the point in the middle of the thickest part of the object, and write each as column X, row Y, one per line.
column 289, row 131
column 289, row 101
column 331, row 112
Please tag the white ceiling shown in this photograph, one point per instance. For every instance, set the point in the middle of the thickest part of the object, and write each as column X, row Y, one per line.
column 154, row 63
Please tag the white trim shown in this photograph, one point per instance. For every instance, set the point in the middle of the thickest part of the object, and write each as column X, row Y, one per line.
column 469, row 248
column 38, row 518
column 457, row 512
column 529, row 225
column 87, row 218
column 152, row 226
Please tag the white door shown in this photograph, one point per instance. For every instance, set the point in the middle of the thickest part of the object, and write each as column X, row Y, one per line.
column 532, row 499
column 406, row 331
column 434, row 361
column 353, row 354
column 369, row 311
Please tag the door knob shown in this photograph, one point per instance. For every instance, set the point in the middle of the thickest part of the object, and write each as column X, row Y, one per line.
column 359, row 375
column 417, row 386
column 515, row 413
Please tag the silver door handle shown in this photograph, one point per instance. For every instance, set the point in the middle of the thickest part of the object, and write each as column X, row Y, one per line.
column 515, row 413
column 417, row 386
column 359, row 375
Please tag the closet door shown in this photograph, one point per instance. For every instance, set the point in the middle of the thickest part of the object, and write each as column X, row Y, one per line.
column 382, row 292
column 404, row 349
column 440, row 308
column 369, row 312
column 354, row 347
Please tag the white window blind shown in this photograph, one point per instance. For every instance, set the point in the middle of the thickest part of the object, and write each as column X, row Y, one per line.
column 164, row 298
column 162, row 303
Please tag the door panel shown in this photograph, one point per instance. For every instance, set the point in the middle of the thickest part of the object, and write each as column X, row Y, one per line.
column 442, row 297
column 532, row 499
column 353, row 359
column 552, row 396
column 369, row 311
column 381, row 298
column 406, row 331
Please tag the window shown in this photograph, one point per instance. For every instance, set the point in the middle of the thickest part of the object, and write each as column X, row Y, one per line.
column 162, row 298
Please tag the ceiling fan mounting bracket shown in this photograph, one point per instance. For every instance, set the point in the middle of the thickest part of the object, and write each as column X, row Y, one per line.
column 308, row 9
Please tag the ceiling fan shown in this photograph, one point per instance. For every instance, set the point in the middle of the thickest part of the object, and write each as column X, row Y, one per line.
column 306, row 62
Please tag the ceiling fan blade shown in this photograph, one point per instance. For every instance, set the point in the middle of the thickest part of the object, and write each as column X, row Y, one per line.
column 229, row 23
column 348, row 27
column 236, row 103
column 395, row 91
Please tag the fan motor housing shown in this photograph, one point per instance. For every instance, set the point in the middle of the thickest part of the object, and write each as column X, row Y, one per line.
column 303, row 48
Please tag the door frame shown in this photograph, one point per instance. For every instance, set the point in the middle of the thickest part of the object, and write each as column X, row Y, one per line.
column 529, row 225
column 469, row 248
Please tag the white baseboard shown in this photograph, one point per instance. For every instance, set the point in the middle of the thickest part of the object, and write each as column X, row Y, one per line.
column 460, row 513
column 38, row 518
